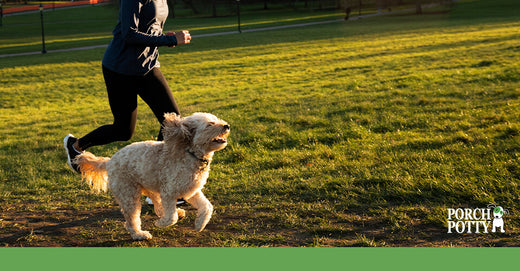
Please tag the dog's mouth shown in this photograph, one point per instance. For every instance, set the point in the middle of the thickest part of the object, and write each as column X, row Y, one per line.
column 220, row 140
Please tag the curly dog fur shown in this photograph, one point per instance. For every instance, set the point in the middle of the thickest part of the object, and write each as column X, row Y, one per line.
column 165, row 171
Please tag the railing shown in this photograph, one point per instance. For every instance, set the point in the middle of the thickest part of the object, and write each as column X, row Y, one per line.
column 52, row 5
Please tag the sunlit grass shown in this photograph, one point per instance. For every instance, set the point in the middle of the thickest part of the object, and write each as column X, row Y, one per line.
column 346, row 134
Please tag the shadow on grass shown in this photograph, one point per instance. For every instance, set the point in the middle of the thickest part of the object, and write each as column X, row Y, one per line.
column 46, row 229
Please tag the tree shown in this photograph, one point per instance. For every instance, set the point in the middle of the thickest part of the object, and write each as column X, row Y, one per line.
column 418, row 8
column 190, row 4
column 171, row 8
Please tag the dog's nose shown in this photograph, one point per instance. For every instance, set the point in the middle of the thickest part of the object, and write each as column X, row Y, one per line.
column 226, row 127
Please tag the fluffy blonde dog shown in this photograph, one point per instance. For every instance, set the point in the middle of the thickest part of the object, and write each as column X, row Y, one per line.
column 164, row 171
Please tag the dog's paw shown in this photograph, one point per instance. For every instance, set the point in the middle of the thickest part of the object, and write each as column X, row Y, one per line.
column 163, row 223
column 199, row 228
column 203, row 217
column 181, row 213
column 200, row 224
column 143, row 235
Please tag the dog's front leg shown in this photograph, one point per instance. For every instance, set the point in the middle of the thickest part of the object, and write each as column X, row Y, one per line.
column 204, row 210
column 170, row 215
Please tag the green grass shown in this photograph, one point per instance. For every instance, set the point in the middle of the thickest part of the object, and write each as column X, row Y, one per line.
column 357, row 133
column 68, row 28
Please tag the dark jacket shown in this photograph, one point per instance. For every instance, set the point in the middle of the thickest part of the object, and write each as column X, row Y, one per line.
column 137, row 36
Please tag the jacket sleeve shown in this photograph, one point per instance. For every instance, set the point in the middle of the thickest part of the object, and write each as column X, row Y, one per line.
column 129, row 19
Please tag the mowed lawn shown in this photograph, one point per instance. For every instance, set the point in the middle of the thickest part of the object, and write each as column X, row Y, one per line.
column 357, row 133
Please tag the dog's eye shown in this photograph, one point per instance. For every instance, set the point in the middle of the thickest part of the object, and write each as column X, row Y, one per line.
column 210, row 124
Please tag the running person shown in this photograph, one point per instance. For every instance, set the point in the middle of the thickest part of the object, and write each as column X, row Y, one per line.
column 131, row 69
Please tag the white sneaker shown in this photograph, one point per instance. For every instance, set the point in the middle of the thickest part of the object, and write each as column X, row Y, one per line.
column 150, row 202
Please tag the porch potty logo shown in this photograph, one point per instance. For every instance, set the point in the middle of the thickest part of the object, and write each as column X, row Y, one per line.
column 479, row 220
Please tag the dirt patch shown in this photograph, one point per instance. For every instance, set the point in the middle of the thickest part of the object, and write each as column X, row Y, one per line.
column 104, row 227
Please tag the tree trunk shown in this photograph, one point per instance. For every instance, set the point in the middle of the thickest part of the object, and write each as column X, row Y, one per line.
column 171, row 8
column 190, row 4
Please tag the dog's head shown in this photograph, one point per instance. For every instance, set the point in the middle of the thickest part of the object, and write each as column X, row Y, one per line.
column 202, row 131
column 498, row 212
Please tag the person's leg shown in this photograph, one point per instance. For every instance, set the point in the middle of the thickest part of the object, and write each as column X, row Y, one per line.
column 158, row 95
column 122, row 97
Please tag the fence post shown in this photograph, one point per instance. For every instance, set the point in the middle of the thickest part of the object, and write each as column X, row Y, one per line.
column 238, row 15
column 43, row 34
column 418, row 8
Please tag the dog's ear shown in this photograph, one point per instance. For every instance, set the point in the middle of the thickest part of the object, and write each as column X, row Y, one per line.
column 171, row 120
column 174, row 128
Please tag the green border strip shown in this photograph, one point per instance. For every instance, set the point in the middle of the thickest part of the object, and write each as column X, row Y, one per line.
column 148, row 259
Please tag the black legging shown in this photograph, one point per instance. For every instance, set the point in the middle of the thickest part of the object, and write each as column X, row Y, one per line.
column 122, row 95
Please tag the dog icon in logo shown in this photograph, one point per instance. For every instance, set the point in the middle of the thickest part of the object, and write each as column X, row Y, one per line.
column 498, row 222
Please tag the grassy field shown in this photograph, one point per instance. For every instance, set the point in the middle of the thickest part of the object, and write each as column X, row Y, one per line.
column 358, row 133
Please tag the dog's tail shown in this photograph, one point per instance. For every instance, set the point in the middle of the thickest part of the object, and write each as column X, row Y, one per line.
column 93, row 170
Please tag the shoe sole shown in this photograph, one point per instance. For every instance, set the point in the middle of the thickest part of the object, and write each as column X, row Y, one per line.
column 65, row 140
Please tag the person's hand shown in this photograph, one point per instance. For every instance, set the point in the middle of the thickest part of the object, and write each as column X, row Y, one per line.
column 183, row 37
